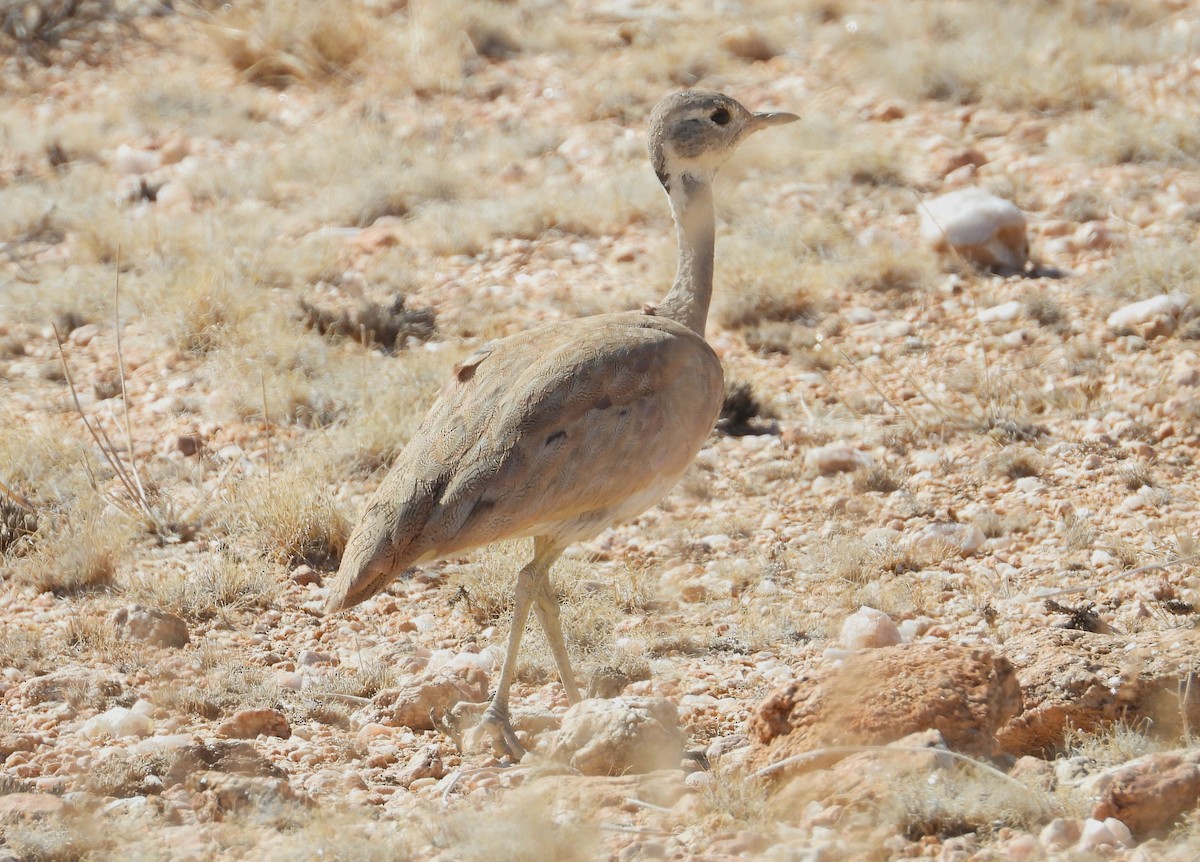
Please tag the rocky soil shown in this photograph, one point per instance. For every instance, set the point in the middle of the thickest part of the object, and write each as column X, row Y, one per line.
column 929, row 590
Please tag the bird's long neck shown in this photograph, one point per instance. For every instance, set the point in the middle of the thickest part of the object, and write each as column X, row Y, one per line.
column 687, row 302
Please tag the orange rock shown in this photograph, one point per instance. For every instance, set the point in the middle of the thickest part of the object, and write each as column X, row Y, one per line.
column 1148, row 794
column 1081, row 680
column 881, row 695
column 250, row 723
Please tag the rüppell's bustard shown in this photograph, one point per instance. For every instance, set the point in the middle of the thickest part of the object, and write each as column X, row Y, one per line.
column 561, row 431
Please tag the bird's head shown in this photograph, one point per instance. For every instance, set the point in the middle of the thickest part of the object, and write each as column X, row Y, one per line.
column 693, row 133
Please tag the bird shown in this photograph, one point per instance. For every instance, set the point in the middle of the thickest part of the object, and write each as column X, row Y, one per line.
column 560, row 431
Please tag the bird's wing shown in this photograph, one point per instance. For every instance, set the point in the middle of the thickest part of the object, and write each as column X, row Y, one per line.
column 565, row 421
column 570, row 419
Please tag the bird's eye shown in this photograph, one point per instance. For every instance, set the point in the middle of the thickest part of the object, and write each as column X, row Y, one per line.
column 720, row 116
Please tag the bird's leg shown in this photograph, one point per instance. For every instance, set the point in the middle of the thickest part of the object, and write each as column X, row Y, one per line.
column 495, row 721
column 495, row 718
column 547, row 610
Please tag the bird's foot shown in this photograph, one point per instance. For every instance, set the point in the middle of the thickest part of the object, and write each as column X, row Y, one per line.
column 495, row 728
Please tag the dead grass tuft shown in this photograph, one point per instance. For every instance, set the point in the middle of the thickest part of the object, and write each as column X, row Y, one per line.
column 123, row 774
column 308, row 41
column 27, row 648
column 1147, row 269
column 1111, row 745
column 62, row 31
column 289, row 515
column 370, row 323
column 222, row 583
column 338, row 835
column 81, row 553
column 734, row 801
column 849, row 558
column 1117, row 135
column 1017, row 462
column 18, row 523
column 963, row 801
column 56, row 840
column 877, row 478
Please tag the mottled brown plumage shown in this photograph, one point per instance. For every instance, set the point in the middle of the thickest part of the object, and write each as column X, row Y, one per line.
column 561, row 431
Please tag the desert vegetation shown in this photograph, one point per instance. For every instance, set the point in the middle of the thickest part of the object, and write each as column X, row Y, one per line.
column 242, row 245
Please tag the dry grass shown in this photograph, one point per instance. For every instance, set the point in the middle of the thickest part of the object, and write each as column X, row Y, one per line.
column 593, row 601
column 522, row 826
column 289, row 515
column 82, row 552
column 300, row 42
column 1018, row 462
column 1021, row 55
column 1147, row 269
column 230, row 681
column 347, row 836
column 962, row 801
column 219, row 585
column 28, row 649
column 55, row 840
column 60, row 31
column 1115, row 135
column 502, row 142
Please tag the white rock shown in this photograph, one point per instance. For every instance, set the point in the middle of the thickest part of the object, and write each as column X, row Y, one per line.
column 999, row 313
column 118, row 721
column 620, row 735
column 868, row 628
column 698, row 779
column 836, row 458
column 1101, row 558
column 129, row 161
column 1060, row 833
column 1119, row 831
column 1147, row 309
column 977, row 225
column 1095, row 835
column 1029, row 485
column 1022, row 848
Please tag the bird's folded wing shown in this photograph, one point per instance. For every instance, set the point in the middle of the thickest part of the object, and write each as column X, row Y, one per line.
column 568, row 419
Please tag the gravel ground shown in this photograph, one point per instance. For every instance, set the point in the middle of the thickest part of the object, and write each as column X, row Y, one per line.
column 199, row 227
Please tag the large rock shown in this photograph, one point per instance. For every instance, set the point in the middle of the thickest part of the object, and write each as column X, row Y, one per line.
column 426, row 763
column 153, row 626
column 1072, row 679
column 862, row 782
column 1148, row 794
column 978, row 226
column 881, row 695
column 249, row 723
column 412, row 704
column 30, row 806
column 619, row 736
column 119, row 721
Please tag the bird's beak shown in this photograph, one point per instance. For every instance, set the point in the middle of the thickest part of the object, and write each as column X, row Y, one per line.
column 770, row 118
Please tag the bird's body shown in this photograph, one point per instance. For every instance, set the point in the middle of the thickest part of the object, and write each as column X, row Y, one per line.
column 556, row 432
column 561, row 431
